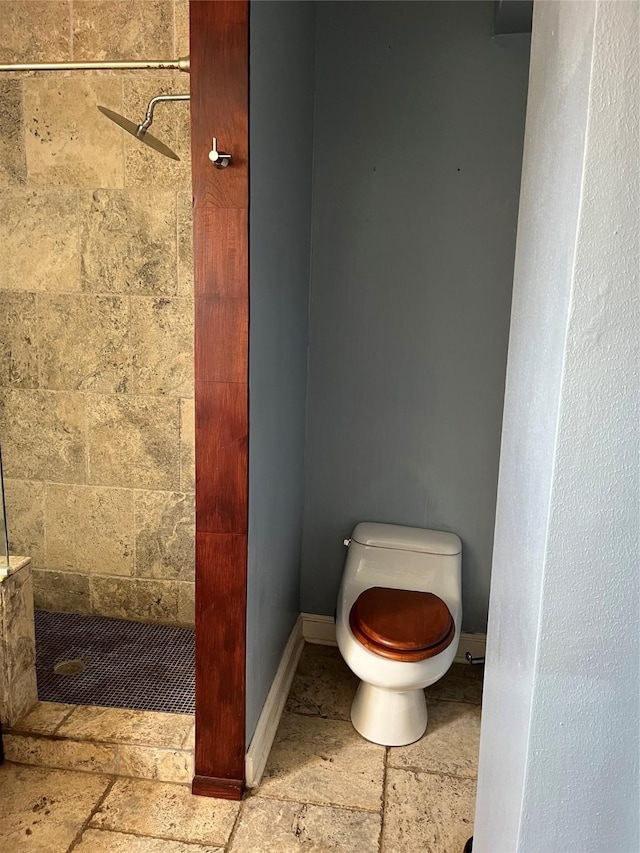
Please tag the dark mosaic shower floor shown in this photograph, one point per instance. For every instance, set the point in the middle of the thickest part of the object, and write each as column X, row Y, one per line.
column 128, row 664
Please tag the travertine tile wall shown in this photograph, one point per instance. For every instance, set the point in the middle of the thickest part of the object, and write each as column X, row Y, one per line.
column 96, row 352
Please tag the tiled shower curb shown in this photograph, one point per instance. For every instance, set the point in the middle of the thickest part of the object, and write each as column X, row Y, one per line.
column 107, row 755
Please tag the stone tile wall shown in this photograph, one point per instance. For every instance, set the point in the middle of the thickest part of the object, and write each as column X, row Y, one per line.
column 96, row 355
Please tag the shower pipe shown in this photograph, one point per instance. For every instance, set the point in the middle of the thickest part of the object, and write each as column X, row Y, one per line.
column 181, row 64
column 139, row 131
column 159, row 99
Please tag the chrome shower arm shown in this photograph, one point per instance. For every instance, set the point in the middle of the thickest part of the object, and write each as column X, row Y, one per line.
column 146, row 124
column 181, row 64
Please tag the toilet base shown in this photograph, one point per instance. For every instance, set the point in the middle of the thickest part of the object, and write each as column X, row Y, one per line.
column 389, row 717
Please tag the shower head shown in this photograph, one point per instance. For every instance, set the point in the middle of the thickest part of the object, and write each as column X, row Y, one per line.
column 133, row 128
column 140, row 130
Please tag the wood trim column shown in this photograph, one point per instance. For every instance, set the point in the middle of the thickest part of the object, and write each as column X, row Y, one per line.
column 219, row 107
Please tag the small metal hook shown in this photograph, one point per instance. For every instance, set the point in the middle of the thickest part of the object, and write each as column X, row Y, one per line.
column 218, row 158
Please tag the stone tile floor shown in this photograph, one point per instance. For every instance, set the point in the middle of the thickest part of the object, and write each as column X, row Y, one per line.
column 324, row 789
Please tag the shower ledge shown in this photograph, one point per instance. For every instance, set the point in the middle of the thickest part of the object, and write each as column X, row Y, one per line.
column 115, row 741
column 15, row 563
column 18, row 685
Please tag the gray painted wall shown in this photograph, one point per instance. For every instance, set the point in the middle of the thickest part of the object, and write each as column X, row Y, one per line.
column 418, row 143
column 281, row 129
column 560, row 724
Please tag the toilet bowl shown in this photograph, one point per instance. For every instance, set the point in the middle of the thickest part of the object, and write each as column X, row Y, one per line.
column 398, row 624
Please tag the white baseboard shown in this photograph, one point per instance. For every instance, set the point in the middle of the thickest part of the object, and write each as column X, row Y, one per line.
column 322, row 630
column 318, row 629
column 262, row 741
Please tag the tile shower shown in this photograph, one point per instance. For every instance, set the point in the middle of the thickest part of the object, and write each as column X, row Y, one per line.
column 96, row 365
column 96, row 379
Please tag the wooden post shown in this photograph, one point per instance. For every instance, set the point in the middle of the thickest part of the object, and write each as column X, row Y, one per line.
column 219, row 107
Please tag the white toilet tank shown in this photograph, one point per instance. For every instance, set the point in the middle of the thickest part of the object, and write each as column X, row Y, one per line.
column 403, row 558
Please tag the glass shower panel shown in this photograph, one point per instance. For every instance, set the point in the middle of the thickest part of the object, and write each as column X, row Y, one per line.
column 4, row 533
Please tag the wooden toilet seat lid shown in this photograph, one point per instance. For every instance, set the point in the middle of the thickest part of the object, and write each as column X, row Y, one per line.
column 402, row 624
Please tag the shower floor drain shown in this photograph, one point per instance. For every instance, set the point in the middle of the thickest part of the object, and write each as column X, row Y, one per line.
column 70, row 667
column 114, row 663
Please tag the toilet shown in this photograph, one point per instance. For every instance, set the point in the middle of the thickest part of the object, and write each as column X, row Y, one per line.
column 398, row 624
